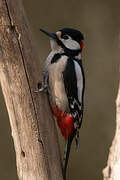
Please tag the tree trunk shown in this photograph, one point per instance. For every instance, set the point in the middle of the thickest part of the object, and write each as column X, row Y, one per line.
column 32, row 125
column 112, row 171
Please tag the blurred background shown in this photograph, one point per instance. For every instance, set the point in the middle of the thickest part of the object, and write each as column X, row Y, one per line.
column 99, row 20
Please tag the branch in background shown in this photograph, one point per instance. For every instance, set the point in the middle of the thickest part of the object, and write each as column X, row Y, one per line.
column 112, row 171
column 32, row 125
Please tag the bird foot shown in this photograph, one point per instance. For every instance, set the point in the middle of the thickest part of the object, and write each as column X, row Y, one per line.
column 43, row 88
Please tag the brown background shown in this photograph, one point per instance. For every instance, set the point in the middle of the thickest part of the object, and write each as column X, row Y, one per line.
column 100, row 23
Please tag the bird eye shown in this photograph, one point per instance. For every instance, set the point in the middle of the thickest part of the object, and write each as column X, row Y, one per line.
column 65, row 37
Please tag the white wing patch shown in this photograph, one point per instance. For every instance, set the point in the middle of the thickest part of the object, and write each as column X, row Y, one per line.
column 79, row 77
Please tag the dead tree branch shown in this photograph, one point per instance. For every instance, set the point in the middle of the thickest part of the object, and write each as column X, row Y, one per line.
column 112, row 171
column 33, row 128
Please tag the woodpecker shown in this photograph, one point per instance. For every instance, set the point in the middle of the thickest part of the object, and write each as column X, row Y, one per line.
column 64, row 80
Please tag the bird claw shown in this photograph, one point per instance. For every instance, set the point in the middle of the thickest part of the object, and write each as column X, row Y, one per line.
column 44, row 88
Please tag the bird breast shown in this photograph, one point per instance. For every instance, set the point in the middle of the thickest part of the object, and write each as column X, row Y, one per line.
column 56, row 83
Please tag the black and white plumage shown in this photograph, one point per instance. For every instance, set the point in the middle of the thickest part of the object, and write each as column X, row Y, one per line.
column 65, row 81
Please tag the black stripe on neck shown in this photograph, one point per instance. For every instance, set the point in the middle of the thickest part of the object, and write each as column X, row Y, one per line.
column 69, row 52
column 57, row 56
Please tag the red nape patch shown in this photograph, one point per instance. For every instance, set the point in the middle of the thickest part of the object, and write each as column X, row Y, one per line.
column 81, row 44
column 65, row 122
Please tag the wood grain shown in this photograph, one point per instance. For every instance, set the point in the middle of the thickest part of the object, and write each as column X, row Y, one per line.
column 32, row 125
column 112, row 170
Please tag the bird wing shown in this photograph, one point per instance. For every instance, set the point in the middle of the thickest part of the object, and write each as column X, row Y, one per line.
column 73, row 76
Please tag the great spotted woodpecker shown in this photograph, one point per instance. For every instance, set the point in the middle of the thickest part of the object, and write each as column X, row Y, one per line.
column 64, row 79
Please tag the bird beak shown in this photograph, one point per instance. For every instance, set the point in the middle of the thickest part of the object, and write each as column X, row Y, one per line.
column 52, row 35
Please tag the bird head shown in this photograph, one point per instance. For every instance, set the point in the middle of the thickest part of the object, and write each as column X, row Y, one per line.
column 68, row 39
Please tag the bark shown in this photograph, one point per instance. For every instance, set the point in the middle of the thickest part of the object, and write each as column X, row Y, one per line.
column 32, row 125
column 112, row 171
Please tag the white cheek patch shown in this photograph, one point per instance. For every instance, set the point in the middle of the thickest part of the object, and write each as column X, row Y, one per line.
column 70, row 43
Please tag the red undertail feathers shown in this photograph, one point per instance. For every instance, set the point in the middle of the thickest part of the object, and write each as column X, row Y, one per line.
column 65, row 122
